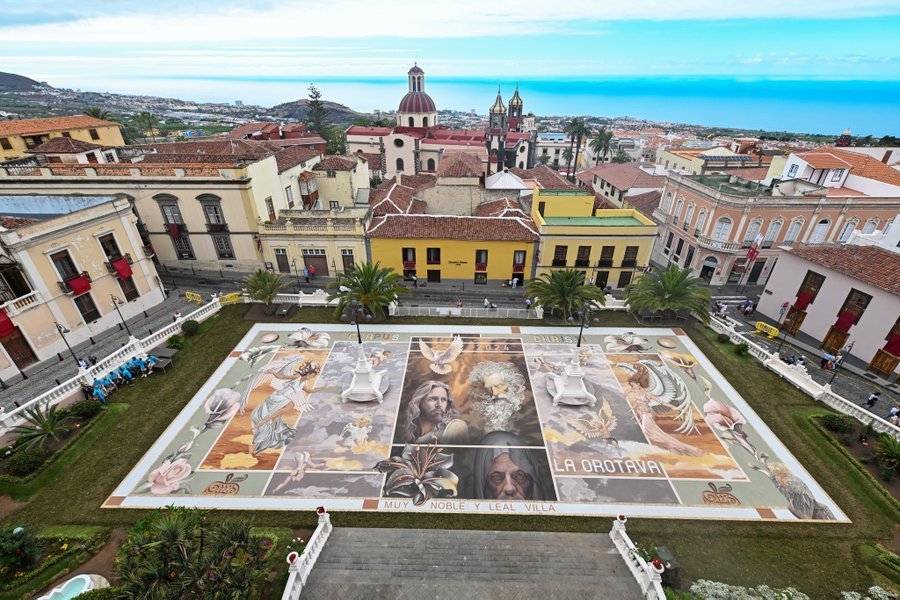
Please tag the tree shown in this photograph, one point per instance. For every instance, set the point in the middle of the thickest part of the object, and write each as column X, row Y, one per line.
column 174, row 553
column 563, row 291
column 621, row 157
column 569, row 128
column 578, row 129
column 372, row 285
column 42, row 425
column 98, row 113
column 317, row 119
column 335, row 140
column 600, row 143
column 544, row 159
column 264, row 286
column 567, row 155
column 668, row 292
column 146, row 123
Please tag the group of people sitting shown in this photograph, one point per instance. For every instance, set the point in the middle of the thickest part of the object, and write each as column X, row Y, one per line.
column 792, row 360
column 124, row 374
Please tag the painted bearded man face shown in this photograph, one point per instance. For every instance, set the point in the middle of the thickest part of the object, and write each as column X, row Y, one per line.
column 434, row 405
column 507, row 480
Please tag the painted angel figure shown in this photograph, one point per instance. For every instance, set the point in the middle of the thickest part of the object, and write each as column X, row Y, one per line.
column 304, row 461
column 600, row 426
column 357, row 432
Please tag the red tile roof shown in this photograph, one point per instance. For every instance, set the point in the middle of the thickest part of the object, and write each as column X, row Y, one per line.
column 645, row 203
column 823, row 160
column 866, row 166
column 10, row 223
column 624, row 176
column 64, row 145
column 33, row 126
column 460, row 165
column 289, row 157
column 416, row 103
column 396, row 199
column 373, row 158
column 416, row 132
column 453, row 228
column 504, row 207
column 870, row 264
column 249, row 129
column 546, row 177
column 371, row 131
column 417, row 182
column 335, row 163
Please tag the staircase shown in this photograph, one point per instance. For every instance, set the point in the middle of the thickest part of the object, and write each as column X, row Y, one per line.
column 411, row 564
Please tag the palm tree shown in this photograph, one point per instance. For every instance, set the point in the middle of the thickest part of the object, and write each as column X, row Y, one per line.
column 373, row 286
column 43, row 425
column 579, row 129
column 600, row 143
column 98, row 113
column 263, row 286
column 668, row 292
column 569, row 129
column 544, row 159
column 564, row 291
column 146, row 123
column 567, row 156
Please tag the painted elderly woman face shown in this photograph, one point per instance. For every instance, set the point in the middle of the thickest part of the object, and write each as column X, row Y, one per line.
column 507, row 481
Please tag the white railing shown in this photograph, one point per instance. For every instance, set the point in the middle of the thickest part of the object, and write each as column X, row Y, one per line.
column 464, row 312
column 103, row 366
column 646, row 574
column 14, row 307
column 301, row 566
column 316, row 298
column 799, row 378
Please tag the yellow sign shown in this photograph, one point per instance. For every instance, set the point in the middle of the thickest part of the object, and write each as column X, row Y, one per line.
column 765, row 328
column 193, row 297
column 232, row 298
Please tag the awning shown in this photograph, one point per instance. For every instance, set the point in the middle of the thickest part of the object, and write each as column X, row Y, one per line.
column 79, row 285
column 6, row 326
column 123, row 269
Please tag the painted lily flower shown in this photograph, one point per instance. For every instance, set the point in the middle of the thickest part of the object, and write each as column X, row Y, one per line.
column 626, row 342
column 685, row 361
column 730, row 421
column 220, row 407
column 421, row 473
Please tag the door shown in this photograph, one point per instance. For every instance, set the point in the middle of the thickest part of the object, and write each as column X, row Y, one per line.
column 318, row 261
column 434, row 275
column 755, row 271
column 709, row 267
column 18, row 349
column 835, row 340
column 520, row 280
column 347, row 259
column 884, row 364
column 601, row 278
column 281, row 258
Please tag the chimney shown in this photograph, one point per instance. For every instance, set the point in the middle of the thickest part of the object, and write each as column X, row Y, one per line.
column 399, row 179
column 505, row 169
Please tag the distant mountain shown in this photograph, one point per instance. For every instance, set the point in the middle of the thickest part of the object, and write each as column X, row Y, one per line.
column 10, row 82
column 338, row 113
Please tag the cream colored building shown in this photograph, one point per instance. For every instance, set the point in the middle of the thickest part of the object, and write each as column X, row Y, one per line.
column 17, row 138
column 63, row 260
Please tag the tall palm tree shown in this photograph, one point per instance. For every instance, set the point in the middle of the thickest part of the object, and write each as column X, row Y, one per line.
column 567, row 155
column 43, row 425
column 98, row 113
column 600, row 143
column 668, row 292
column 372, row 285
column 563, row 291
column 263, row 286
column 570, row 129
column 580, row 130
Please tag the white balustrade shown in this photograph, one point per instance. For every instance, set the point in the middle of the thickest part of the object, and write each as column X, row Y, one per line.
column 646, row 574
column 301, row 567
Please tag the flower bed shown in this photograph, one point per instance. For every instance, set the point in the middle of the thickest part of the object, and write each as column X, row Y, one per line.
column 55, row 555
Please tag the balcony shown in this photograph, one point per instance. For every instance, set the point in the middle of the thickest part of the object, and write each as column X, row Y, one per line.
column 518, row 268
column 217, row 227
column 148, row 251
column 660, row 216
column 433, row 261
column 711, row 244
column 176, row 229
column 697, row 232
column 629, row 263
column 605, row 263
column 481, row 266
column 65, row 285
column 20, row 304
column 582, row 262
column 112, row 259
column 559, row 262
column 409, row 264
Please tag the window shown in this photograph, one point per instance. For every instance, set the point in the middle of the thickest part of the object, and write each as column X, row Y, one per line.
column 183, row 248
column 109, row 157
column 331, row 173
column 430, row 164
column 213, row 214
column 541, row 207
column 424, row 121
column 624, row 279
column 811, row 285
column 289, row 194
column 630, row 259
column 412, row 122
column 887, row 227
column 752, row 231
column 870, row 226
column 94, row 134
column 481, row 258
column 86, row 307
column 584, row 256
column 433, row 256
column 606, row 256
column 792, row 232
column 792, row 172
column 837, row 174
column 669, row 239
column 772, row 233
column 129, row 290
column 559, row 256
column 519, row 258
column 722, row 230
column 110, row 247
column 334, row 205
column 64, row 265
column 701, row 221
column 223, row 247
column 399, row 164
column 678, row 206
column 688, row 216
column 270, row 208
column 689, row 257
column 667, row 203
column 678, row 249
column 480, row 278
column 4, row 143
column 849, row 226
column 409, row 255
column 66, row 134
column 818, row 234
column 171, row 214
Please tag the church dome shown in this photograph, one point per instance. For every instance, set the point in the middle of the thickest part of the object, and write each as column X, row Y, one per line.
column 417, row 102
column 416, row 69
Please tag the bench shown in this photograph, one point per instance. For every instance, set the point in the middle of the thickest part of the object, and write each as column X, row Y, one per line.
column 449, row 312
column 284, row 309
column 163, row 363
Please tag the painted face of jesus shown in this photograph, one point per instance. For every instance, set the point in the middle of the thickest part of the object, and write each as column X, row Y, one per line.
column 435, row 404
column 507, row 481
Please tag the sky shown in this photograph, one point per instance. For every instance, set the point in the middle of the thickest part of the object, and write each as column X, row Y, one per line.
column 136, row 47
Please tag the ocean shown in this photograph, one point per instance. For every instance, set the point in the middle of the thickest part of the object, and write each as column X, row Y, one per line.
column 782, row 104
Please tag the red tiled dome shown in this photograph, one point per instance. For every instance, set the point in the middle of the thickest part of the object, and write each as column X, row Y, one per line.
column 417, row 102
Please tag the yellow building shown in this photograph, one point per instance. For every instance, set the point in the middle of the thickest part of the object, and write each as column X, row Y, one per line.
column 18, row 137
column 65, row 260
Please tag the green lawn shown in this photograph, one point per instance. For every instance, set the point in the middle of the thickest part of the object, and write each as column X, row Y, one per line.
column 820, row 559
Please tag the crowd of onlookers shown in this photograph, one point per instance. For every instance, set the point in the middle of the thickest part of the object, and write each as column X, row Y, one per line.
column 125, row 374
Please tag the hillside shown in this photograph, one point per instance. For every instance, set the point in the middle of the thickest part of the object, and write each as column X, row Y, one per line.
column 10, row 82
column 338, row 113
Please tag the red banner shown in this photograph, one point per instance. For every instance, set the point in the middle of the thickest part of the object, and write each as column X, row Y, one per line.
column 893, row 346
column 79, row 285
column 752, row 253
column 803, row 300
column 845, row 321
column 6, row 326
column 123, row 269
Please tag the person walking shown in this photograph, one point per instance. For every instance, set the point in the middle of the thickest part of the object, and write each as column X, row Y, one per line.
column 415, row 281
column 312, row 272
column 826, row 358
column 872, row 399
column 514, row 282
column 895, row 411
column 306, row 274
column 527, row 303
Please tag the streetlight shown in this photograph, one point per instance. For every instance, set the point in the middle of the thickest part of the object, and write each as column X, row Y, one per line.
column 838, row 364
column 63, row 330
column 296, row 273
column 116, row 302
column 585, row 315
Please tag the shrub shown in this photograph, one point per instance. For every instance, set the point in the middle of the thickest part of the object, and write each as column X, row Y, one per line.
column 18, row 548
column 866, row 458
column 846, row 439
column 742, row 349
column 838, row 423
column 26, row 461
column 889, row 451
column 85, row 409
column 176, row 341
column 723, row 338
column 50, row 424
column 110, row 593
column 887, row 472
column 190, row 327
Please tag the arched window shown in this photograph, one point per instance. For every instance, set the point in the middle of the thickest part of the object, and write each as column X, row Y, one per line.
column 424, row 121
column 688, row 215
column 849, row 226
column 431, row 164
column 772, row 232
column 412, row 122
column 870, row 226
column 521, row 165
column 752, row 231
column 722, row 229
column 818, row 234
column 793, row 231
column 887, row 226
column 701, row 221
column 399, row 164
column 678, row 206
column 667, row 203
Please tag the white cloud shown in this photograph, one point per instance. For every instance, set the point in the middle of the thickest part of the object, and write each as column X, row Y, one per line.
column 353, row 19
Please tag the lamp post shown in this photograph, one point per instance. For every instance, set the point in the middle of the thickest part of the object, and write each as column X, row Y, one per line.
column 784, row 337
column 569, row 387
column 296, row 273
column 367, row 384
column 585, row 314
column 63, row 330
column 116, row 302
column 838, row 364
